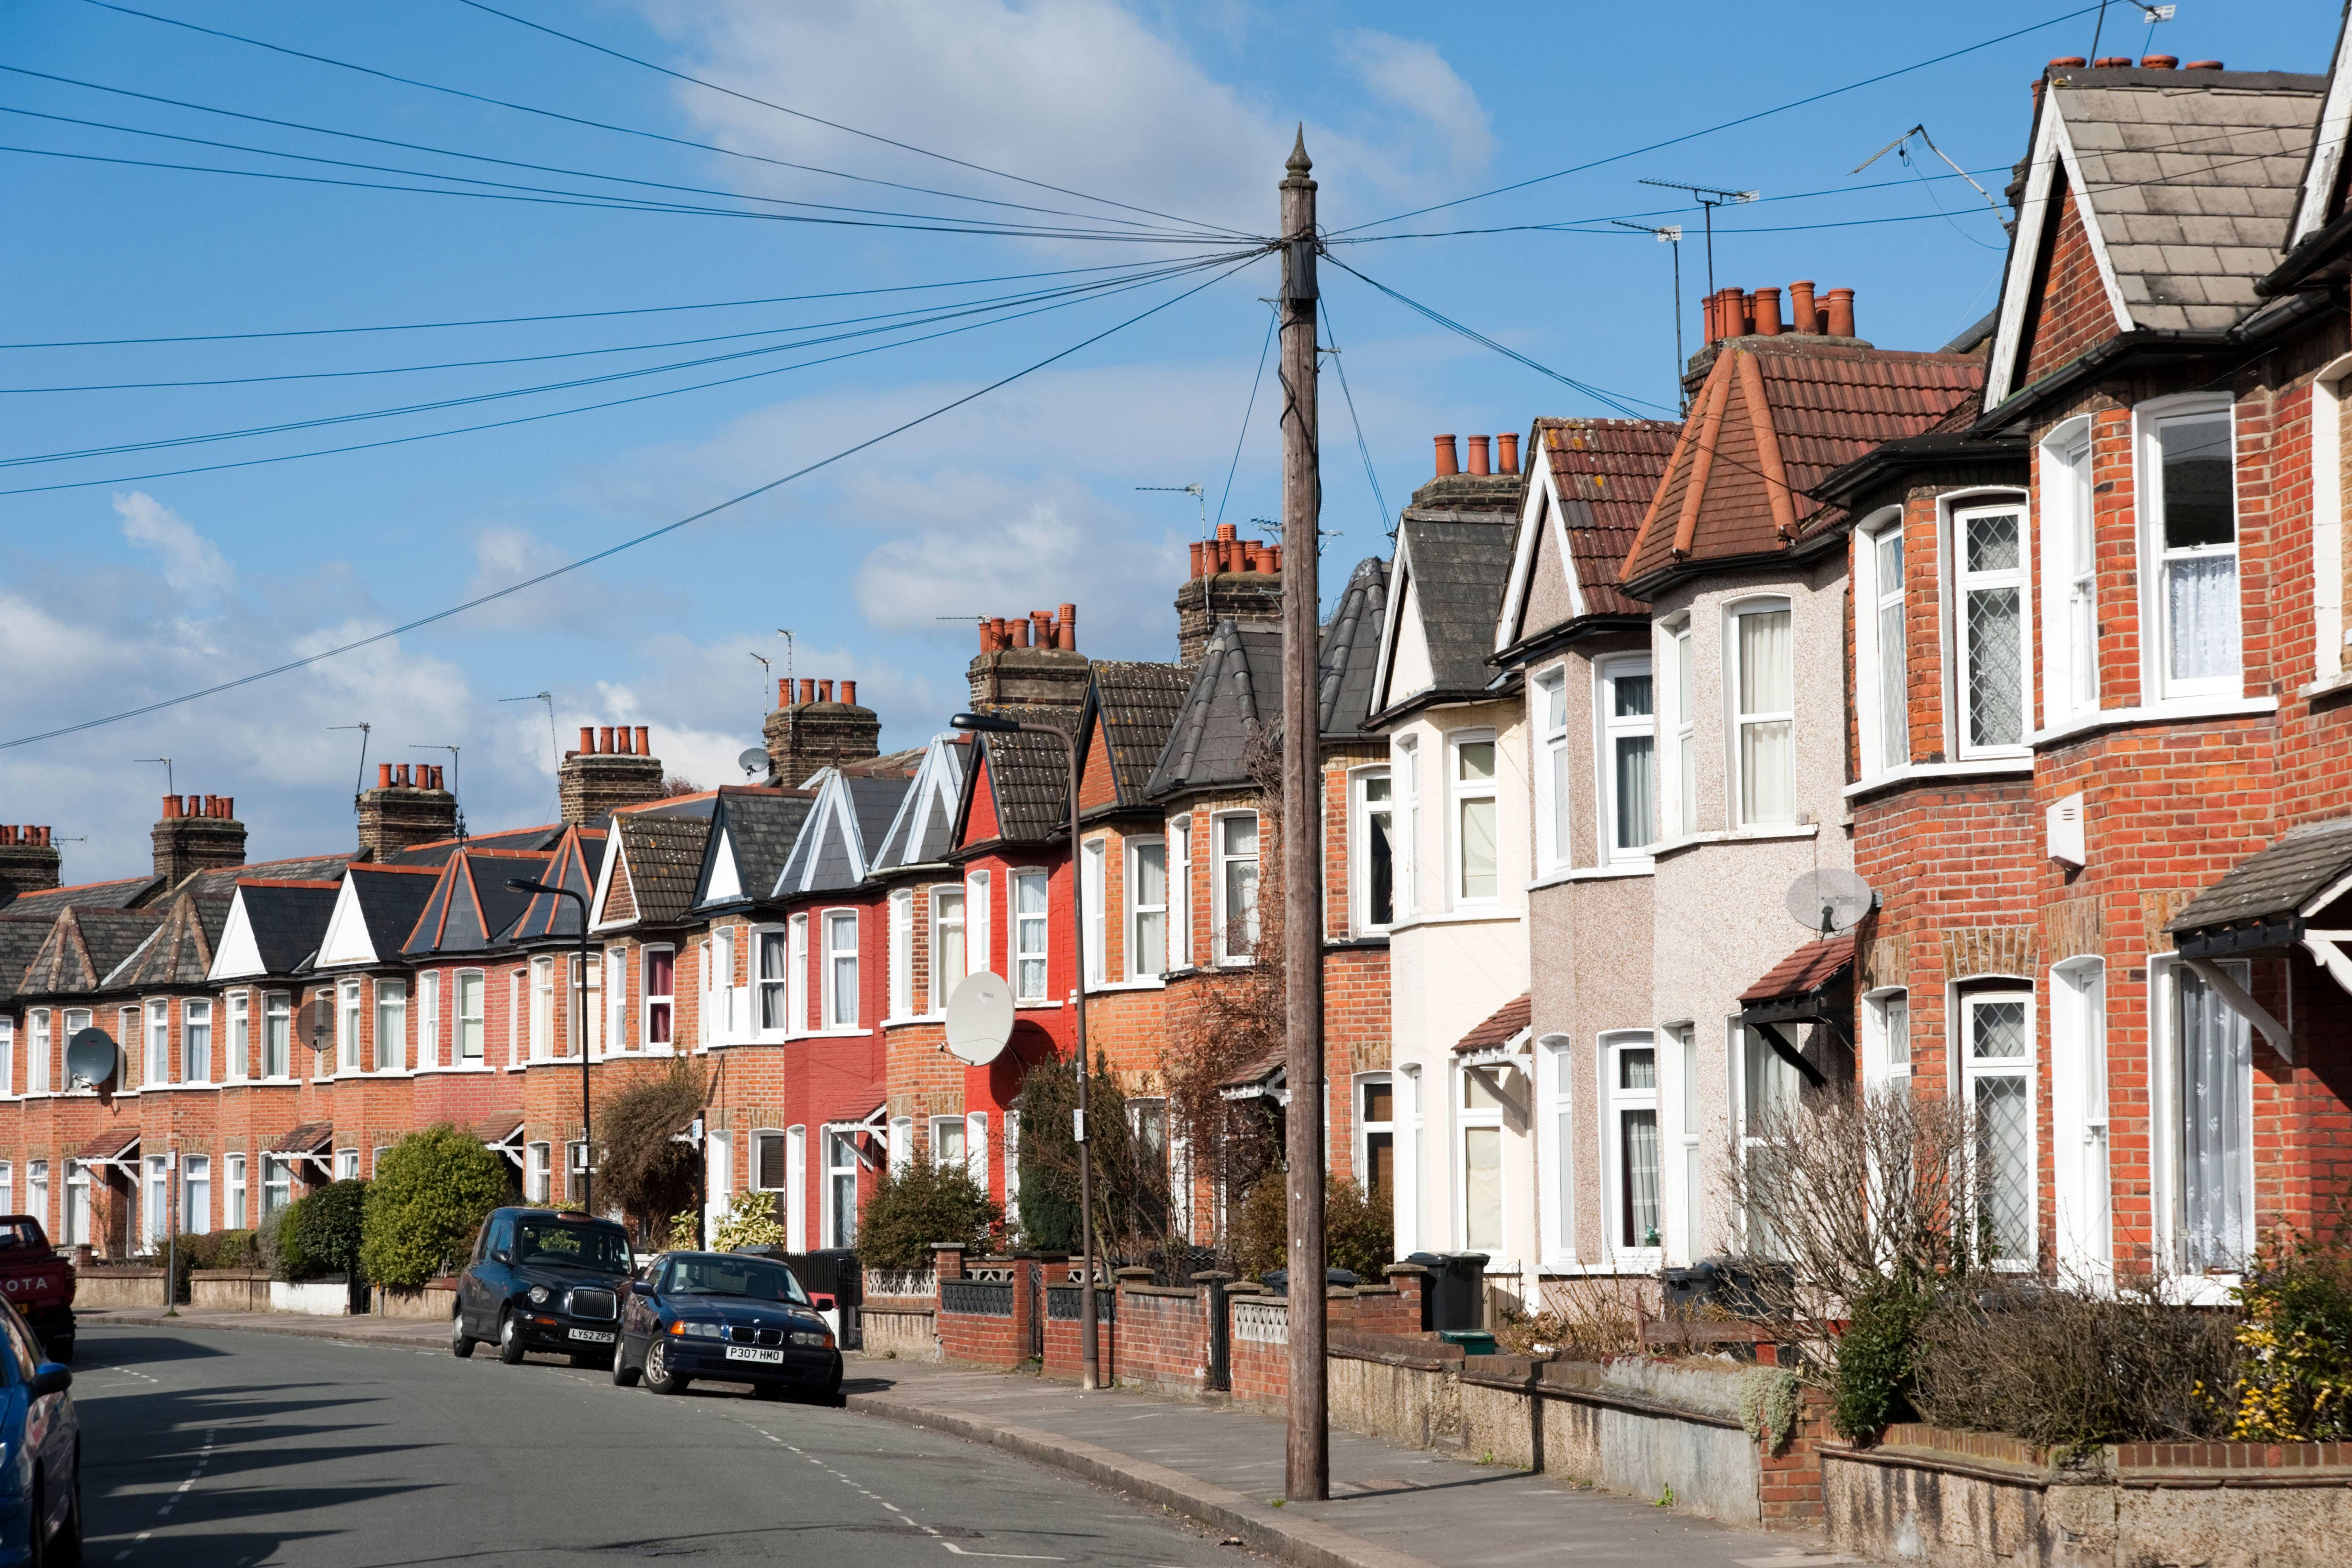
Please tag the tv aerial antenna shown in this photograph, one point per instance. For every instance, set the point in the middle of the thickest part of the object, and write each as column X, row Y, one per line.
column 1709, row 198
column 1903, row 153
column 1198, row 493
column 767, row 672
column 1669, row 233
column 359, row 785
column 456, row 779
column 1829, row 901
column 554, row 746
column 786, row 633
column 171, row 788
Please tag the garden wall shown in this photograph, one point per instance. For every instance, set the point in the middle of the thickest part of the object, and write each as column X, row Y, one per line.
column 436, row 1300
column 228, row 1289
column 102, row 1287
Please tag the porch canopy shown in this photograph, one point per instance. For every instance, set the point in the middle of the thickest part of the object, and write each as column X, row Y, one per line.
column 1265, row 1077
column 1814, row 986
column 309, row 1140
column 118, row 1145
column 2295, row 893
column 1499, row 1044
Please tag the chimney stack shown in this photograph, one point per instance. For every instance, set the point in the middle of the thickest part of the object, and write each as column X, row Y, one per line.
column 613, row 774
column 821, row 731
column 198, row 834
column 1234, row 579
column 29, row 861
column 408, row 806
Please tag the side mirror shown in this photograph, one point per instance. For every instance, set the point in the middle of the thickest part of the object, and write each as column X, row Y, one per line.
column 820, row 1301
column 641, row 1287
column 50, row 1377
column 501, row 1255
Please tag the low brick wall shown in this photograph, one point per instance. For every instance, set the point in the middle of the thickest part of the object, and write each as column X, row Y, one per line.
column 1163, row 1336
column 986, row 1322
column 436, row 1299
column 228, row 1289
column 1066, row 1345
column 1954, row 1499
column 120, row 1287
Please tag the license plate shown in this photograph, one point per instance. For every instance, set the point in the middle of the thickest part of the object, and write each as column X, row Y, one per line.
column 592, row 1336
column 752, row 1353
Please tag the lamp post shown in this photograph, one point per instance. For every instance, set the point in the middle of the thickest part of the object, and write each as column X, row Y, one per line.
column 1088, row 1340
column 580, row 1008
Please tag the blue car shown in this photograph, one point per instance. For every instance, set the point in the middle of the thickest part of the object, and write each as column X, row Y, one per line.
column 40, row 1452
column 730, row 1319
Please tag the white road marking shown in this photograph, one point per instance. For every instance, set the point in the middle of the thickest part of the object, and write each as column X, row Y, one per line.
column 1009, row 1556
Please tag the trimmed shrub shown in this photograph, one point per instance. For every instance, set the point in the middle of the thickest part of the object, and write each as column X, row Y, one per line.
column 278, row 1242
column 2297, row 1386
column 1358, row 1232
column 1875, row 1358
column 432, row 1191
column 639, row 1169
column 751, row 1222
column 331, row 1225
column 911, row 1208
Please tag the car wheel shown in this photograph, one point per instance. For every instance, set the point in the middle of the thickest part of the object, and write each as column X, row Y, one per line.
column 511, row 1339
column 658, row 1376
column 624, row 1374
column 461, row 1343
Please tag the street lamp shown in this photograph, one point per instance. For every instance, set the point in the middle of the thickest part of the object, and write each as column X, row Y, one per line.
column 1088, row 1342
column 580, row 983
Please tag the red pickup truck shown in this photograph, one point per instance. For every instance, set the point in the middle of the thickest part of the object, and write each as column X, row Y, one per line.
column 38, row 1282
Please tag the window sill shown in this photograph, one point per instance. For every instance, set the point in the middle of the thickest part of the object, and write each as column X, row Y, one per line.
column 911, row 1019
column 2184, row 710
column 1036, row 1007
column 1642, row 868
column 835, row 1034
column 2018, row 767
column 437, row 1068
column 1736, row 836
column 1111, row 987
column 1485, row 916
column 2327, row 686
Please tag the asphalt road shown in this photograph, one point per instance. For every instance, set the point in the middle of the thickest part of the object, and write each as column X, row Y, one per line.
column 219, row 1448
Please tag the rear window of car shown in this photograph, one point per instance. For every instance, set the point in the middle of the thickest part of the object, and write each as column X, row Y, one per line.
column 582, row 1245
column 744, row 1277
column 22, row 1235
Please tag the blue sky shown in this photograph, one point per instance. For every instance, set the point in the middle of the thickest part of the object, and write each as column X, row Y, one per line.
column 124, row 590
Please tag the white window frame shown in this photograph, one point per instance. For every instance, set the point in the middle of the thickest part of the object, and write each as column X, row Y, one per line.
column 276, row 1184
column 277, row 1036
column 616, row 998
column 1959, row 512
column 1881, row 670
column 1547, row 720
column 347, row 1164
column 590, row 1020
column 37, row 1058
column 902, row 1143
column 2081, row 1167
column 796, row 1188
column 1136, row 912
column 2165, row 977
column 1616, row 1100
column 796, row 974
column 518, row 1013
column 350, row 1023
column 719, row 1022
column 1467, row 1119
column 1221, row 864
column 2070, row 597
column 1012, row 1203
column 1974, row 1071
column 1460, row 792
column 1684, row 691
column 159, row 1041
column 8, row 1057
column 2155, row 561
column 428, row 1018
column 1886, row 1039
column 155, row 1202
column 1365, row 810
column 942, row 1131
column 477, row 1023
column 538, row 1164
column 9, row 1187
column 1093, row 871
column 541, row 1028
column 233, row 1201
column 755, row 1181
column 651, row 1002
column 196, row 1193
column 1363, row 1127
column 942, row 979
column 131, row 1031
column 979, row 922
column 1556, row 1146
column 902, row 1000
column 771, row 990
column 1404, row 771
column 840, row 1146
column 1736, row 761
column 196, row 1065
column 1031, row 927
column 77, row 1205
column 1691, row 1125
column 841, row 1011
column 1180, row 892
column 1612, row 728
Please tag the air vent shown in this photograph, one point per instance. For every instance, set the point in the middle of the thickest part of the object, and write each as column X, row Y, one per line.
column 2066, row 831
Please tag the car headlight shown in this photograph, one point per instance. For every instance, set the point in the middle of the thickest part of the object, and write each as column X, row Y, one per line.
column 699, row 1330
column 539, row 1295
column 818, row 1337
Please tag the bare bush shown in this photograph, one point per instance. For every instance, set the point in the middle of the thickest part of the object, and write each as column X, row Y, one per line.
column 1583, row 1317
column 640, row 1166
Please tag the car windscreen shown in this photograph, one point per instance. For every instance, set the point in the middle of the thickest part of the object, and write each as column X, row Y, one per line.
column 582, row 1246
column 22, row 1235
column 744, row 1277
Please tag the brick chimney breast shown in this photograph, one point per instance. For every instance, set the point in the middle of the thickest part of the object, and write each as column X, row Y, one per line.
column 1239, row 580
column 407, row 807
column 29, row 861
column 186, row 839
column 819, row 732
column 594, row 783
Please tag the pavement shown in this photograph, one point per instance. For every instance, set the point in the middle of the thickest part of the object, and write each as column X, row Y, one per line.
column 1219, row 1464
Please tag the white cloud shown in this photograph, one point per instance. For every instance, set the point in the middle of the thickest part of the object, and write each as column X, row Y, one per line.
column 1414, row 78
column 1081, row 94
column 192, row 564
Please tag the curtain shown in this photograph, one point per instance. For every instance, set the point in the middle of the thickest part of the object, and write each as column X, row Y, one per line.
column 1637, row 772
column 2201, row 600
column 2216, row 1126
column 1767, row 679
column 1478, row 849
column 1640, row 1134
column 1767, row 768
column 1482, row 1189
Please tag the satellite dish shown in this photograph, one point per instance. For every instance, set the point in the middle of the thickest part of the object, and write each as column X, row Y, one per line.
column 1829, row 901
column 753, row 762
column 92, row 1059
column 323, row 1020
column 980, row 1018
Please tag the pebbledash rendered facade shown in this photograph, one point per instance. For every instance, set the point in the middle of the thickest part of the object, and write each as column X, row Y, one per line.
column 2041, row 634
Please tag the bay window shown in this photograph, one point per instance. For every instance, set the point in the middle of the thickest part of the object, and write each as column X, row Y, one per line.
column 1629, row 758
column 159, row 1042
column 1765, row 683
column 195, row 1041
column 1470, row 779
column 841, row 969
column 542, row 1025
column 195, row 1193
column 347, row 1027
column 1549, row 699
column 390, row 1024
column 232, row 1202
column 1479, row 1201
column 2070, row 643
column 7, row 1056
column 1372, row 860
column 902, row 954
column 240, row 1034
column 1094, row 878
column 278, row 1033
column 2188, row 479
column 1146, row 908
column 1997, row 1030
column 1882, row 676
column 37, row 1056
column 1029, row 980
column 428, row 1018
column 616, row 999
column 1685, row 733
column 1233, row 891
column 276, row 1184
column 469, row 1016
column 774, row 979
column 1630, row 1071
column 796, row 974
column 947, row 943
column 978, row 915
column 591, row 1010
column 660, row 995
column 948, row 1147
column 1179, row 894
column 2209, row 1075
column 1990, row 627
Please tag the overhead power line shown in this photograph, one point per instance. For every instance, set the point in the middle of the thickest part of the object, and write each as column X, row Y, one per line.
column 1724, row 125
column 631, row 543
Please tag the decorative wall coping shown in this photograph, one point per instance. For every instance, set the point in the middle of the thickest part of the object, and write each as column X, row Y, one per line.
column 1181, row 1292
column 2013, row 1461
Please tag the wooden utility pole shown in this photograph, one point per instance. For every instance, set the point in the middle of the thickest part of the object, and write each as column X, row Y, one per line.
column 1309, row 1475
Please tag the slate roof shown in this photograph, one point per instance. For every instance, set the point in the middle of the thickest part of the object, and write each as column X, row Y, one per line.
column 222, row 883
column 761, row 826
column 1498, row 1029
column 1236, row 690
column 572, row 865
column 662, row 856
column 1803, row 972
column 1774, row 417
column 1604, row 472
column 2275, row 882
column 122, row 893
column 1457, row 572
column 21, row 937
column 288, row 919
column 1351, row 655
column 546, row 836
column 1139, row 703
column 180, row 951
column 309, row 1138
column 390, row 899
column 84, row 944
column 2192, row 178
column 1029, row 776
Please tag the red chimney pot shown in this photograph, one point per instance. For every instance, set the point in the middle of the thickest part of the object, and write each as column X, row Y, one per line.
column 1478, row 455
column 1800, row 305
column 1018, row 630
column 824, row 691
column 1507, row 452
column 1840, row 301
column 1448, row 461
column 2067, row 62
column 603, row 738
column 2159, row 62
column 849, row 693
column 2111, row 62
column 384, row 775
column 1226, row 529
column 644, row 741
column 2202, row 66
column 1767, row 312
column 228, row 805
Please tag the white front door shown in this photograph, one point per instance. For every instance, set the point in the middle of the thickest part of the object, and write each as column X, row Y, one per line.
column 718, row 1149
